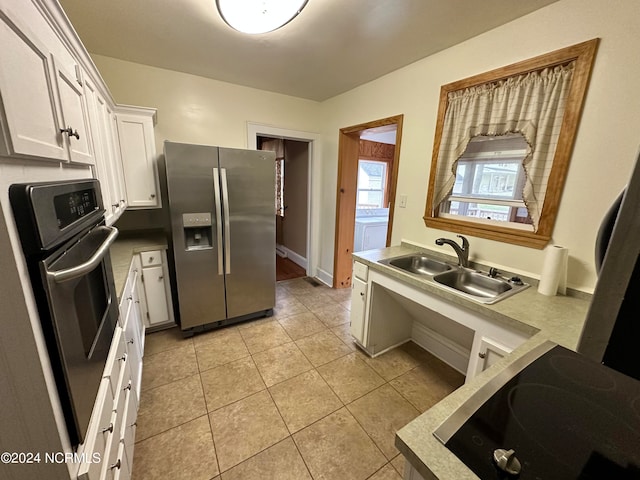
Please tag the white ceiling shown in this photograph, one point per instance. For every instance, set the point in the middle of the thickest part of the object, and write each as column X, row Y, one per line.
column 330, row 48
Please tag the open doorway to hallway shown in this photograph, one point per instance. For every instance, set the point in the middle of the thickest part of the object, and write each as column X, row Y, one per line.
column 291, row 206
column 367, row 177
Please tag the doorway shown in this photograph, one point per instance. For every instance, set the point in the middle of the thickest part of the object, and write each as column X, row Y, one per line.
column 291, row 212
column 298, row 195
column 353, row 148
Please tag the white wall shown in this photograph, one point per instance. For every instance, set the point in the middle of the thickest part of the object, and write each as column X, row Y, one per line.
column 199, row 110
column 606, row 145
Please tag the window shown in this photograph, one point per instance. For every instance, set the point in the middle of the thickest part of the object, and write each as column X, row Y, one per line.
column 489, row 183
column 372, row 179
column 541, row 99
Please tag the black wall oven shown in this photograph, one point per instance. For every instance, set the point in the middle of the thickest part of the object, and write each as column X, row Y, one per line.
column 66, row 247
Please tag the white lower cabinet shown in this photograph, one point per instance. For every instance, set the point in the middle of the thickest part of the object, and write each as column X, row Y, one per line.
column 157, row 290
column 358, row 309
column 395, row 312
column 487, row 352
column 110, row 439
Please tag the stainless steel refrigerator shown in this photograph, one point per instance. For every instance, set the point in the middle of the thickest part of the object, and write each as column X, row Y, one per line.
column 222, row 209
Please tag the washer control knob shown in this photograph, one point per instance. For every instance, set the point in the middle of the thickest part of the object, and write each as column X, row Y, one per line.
column 507, row 461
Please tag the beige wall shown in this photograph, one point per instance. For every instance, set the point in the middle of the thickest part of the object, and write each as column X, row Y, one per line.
column 194, row 109
column 605, row 149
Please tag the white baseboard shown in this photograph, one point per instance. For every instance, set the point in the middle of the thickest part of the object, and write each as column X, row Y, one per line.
column 291, row 255
column 449, row 352
column 324, row 277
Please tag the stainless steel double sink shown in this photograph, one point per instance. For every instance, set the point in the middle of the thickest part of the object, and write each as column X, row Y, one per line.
column 472, row 284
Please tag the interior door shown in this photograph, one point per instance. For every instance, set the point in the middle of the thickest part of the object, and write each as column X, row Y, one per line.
column 248, row 183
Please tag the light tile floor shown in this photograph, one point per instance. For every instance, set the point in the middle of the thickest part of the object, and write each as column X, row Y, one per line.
column 287, row 397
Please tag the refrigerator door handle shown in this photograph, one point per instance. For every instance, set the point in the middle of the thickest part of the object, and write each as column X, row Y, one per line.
column 227, row 226
column 218, row 214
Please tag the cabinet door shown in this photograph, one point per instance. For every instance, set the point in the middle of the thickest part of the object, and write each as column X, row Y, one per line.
column 118, row 171
column 154, row 289
column 489, row 353
column 138, row 151
column 29, row 117
column 74, row 113
column 96, row 123
column 358, row 309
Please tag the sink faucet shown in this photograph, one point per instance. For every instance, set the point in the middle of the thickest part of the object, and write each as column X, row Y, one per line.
column 462, row 252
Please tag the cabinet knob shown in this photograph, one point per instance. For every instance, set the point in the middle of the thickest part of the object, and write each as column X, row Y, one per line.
column 107, row 429
column 115, row 205
column 150, row 259
column 160, row 277
column 152, row 196
column 69, row 131
column 130, row 297
column 123, row 358
column 482, row 354
column 117, row 465
column 130, row 342
column 362, row 294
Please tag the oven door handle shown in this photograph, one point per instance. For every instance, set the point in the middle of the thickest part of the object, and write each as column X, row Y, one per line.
column 86, row 267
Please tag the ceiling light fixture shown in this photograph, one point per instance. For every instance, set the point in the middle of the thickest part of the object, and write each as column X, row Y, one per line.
column 259, row 16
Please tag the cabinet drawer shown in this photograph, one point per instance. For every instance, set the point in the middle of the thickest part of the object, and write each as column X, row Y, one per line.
column 110, row 456
column 122, row 471
column 115, row 360
column 99, row 430
column 360, row 270
column 151, row 258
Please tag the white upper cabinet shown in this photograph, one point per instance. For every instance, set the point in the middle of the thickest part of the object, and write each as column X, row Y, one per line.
column 75, row 121
column 29, row 117
column 44, row 114
column 138, row 152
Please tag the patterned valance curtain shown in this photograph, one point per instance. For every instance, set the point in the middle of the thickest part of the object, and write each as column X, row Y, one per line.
column 532, row 104
column 277, row 145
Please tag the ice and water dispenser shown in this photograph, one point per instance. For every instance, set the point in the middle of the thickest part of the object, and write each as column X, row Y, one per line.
column 198, row 234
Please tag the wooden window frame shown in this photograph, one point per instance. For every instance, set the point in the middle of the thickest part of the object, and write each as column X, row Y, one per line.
column 583, row 54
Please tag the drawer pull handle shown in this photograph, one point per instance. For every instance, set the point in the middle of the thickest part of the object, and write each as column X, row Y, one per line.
column 117, row 465
column 107, row 429
column 130, row 297
column 130, row 342
column 482, row 354
column 128, row 387
column 123, row 358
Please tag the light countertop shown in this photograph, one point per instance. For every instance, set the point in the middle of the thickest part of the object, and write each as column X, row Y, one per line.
column 126, row 246
column 559, row 319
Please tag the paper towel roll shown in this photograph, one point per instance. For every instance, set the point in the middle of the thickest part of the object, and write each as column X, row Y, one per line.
column 554, row 271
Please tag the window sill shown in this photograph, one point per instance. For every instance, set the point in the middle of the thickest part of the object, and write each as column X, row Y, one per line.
column 491, row 232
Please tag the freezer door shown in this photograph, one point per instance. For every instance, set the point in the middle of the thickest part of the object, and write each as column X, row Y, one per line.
column 248, row 183
column 196, row 232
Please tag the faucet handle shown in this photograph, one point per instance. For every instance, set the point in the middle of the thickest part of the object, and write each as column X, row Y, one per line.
column 465, row 242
